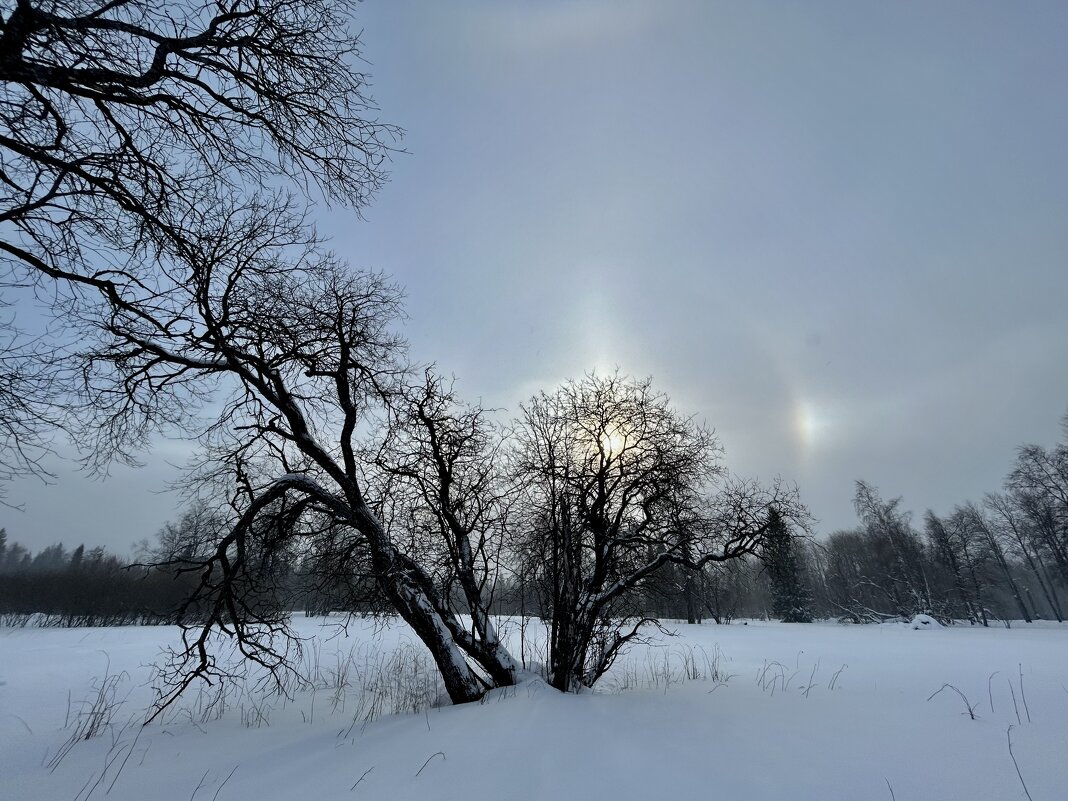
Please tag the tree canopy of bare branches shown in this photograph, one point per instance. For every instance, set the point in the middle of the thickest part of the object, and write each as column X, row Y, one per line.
column 121, row 123
column 619, row 484
column 376, row 469
column 319, row 422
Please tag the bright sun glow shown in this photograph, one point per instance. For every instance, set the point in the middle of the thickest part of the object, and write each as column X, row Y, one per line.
column 613, row 442
column 810, row 425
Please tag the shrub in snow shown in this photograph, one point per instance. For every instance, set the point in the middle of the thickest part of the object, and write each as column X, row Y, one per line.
column 925, row 622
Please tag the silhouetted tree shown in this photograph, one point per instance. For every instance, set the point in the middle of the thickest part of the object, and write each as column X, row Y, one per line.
column 960, row 547
column 900, row 577
column 1011, row 527
column 789, row 592
column 617, row 484
column 1038, row 485
column 119, row 123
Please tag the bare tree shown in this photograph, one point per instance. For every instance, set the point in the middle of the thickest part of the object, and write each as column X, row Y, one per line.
column 28, row 410
column 852, row 577
column 960, row 546
column 727, row 587
column 901, row 575
column 878, row 571
column 121, row 121
column 440, row 482
column 1038, row 485
column 321, row 428
column 1009, row 525
column 617, row 484
column 982, row 528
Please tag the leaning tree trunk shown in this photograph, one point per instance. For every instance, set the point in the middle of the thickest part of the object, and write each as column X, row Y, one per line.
column 1037, row 569
column 415, row 605
column 412, row 595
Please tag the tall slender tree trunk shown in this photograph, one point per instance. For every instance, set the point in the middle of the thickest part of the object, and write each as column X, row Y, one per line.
column 999, row 555
column 1034, row 566
column 692, row 611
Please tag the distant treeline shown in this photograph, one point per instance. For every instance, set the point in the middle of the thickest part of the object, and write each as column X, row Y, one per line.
column 1000, row 559
column 57, row 587
column 1003, row 558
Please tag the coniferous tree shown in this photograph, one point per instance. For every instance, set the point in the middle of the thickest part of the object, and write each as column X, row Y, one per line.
column 789, row 593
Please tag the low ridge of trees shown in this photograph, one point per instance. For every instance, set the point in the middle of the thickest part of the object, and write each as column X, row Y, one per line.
column 999, row 559
column 583, row 513
column 56, row 587
column 996, row 560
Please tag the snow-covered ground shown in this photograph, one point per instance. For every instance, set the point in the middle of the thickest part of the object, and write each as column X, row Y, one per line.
column 795, row 712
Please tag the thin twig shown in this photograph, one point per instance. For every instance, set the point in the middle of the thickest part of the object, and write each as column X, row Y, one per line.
column 1014, row 704
column 364, row 775
column 811, row 679
column 199, row 785
column 834, row 678
column 126, row 759
column 964, row 698
column 145, row 753
column 1023, row 696
column 1008, row 736
column 224, row 781
column 437, row 753
column 20, row 720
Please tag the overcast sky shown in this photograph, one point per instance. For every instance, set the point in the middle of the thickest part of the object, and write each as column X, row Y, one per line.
column 836, row 231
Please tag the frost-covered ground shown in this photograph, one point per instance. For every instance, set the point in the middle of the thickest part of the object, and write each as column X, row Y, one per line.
column 816, row 712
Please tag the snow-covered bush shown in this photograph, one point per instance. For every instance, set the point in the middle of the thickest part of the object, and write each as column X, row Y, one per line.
column 924, row 622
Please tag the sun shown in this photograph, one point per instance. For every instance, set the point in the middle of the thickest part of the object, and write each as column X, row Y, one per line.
column 613, row 442
column 811, row 425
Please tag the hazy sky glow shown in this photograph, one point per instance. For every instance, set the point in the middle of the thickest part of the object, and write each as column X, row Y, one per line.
column 837, row 231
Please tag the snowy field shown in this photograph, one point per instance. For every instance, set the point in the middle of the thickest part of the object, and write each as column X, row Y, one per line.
column 757, row 711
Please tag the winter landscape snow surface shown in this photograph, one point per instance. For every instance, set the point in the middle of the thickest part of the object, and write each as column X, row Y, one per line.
column 756, row 711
